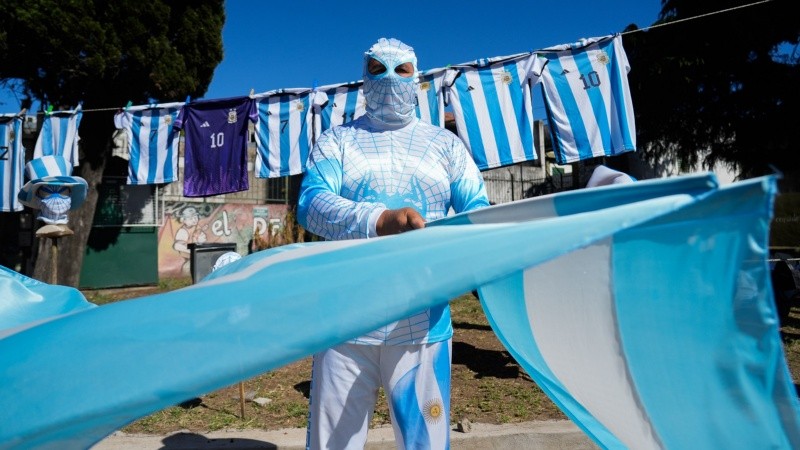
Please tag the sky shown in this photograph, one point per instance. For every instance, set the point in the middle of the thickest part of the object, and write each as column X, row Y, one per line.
column 294, row 44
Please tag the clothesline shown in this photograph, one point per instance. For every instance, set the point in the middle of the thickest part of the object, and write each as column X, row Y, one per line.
column 117, row 108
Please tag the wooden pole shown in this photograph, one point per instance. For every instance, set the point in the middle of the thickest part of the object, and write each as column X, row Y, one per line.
column 241, row 397
column 54, row 260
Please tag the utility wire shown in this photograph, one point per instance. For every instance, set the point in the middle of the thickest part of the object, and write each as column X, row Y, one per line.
column 673, row 22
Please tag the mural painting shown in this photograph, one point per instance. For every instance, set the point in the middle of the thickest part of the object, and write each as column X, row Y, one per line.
column 188, row 223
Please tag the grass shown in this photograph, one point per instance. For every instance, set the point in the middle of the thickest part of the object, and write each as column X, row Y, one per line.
column 488, row 386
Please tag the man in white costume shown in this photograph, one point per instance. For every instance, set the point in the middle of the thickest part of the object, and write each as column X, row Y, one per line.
column 385, row 173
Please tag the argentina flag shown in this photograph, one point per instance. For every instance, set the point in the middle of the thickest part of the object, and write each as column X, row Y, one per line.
column 587, row 98
column 644, row 310
column 59, row 135
column 283, row 132
column 152, row 142
column 493, row 108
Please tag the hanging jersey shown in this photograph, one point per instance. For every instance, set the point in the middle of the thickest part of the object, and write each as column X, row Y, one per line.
column 337, row 104
column 283, row 132
column 215, row 148
column 493, row 109
column 152, row 142
column 12, row 162
column 59, row 135
column 430, row 98
column 588, row 99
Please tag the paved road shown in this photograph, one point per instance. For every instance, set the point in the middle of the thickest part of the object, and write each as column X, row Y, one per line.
column 555, row 435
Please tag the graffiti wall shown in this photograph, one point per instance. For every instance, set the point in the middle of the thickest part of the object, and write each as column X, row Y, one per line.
column 208, row 223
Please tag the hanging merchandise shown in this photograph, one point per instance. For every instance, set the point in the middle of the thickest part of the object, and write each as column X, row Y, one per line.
column 430, row 99
column 337, row 104
column 59, row 135
column 283, row 132
column 12, row 161
column 51, row 189
column 493, row 108
column 588, row 99
column 215, row 150
column 152, row 142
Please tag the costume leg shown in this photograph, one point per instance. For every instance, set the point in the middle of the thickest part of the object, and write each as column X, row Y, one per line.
column 344, row 389
column 418, row 391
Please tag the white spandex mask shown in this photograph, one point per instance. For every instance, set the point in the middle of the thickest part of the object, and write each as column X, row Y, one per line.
column 391, row 98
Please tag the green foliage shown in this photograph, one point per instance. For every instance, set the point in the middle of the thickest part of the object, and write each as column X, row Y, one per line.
column 785, row 225
column 107, row 53
column 718, row 90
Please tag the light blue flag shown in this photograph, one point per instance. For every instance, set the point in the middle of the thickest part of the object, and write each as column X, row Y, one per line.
column 25, row 302
column 663, row 335
column 125, row 360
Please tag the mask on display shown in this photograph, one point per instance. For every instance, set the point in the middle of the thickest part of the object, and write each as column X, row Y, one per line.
column 55, row 204
column 391, row 97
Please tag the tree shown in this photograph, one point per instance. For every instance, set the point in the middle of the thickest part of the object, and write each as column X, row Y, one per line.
column 720, row 89
column 105, row 54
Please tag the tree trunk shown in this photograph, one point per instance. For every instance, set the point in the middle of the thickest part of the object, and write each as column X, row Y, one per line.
column 95, row 130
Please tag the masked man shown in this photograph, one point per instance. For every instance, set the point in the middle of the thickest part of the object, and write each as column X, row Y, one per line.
column 385, row 173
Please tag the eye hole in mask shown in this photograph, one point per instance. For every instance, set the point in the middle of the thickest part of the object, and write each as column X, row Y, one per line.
column 46, row 191
column 375, row 68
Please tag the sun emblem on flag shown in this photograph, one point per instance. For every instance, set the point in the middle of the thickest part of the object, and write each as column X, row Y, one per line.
column 232, row 116
column 602, row 58
column 433, row 411
column 167, row 120
column 505, row 77
column 424, row 86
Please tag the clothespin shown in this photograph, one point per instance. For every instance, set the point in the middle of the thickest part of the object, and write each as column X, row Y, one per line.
column 188, row 99
column 22, row 112
column 252, row 93
column 49, row 109
column 128, row 105
column 314, row 85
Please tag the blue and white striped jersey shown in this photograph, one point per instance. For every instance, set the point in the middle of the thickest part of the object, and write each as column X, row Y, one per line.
column 12, row 161
column 337, row 104
column 59, row 135
column 588, row 99
column 152, row 142
column 493, row 108
column 430, row 98
column 283, row 132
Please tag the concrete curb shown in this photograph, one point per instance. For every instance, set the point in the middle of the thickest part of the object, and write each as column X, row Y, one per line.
column 556, row 435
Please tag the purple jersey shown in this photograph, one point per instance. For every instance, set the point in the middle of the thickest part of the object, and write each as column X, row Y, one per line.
column 215, row 151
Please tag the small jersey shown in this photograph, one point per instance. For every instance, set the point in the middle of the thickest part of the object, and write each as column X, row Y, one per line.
column 12, row 162
column 152, row 142
column 493, row 109
column 283, row 132
column 587, row 98
column 59, row 135
column 215, row 148
column 430, row 97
